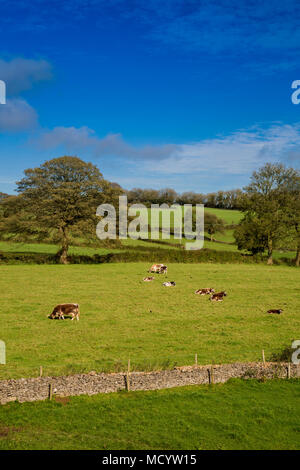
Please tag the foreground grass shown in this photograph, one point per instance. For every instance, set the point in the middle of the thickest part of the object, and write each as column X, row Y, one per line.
column 236, row 415
column 123, row 317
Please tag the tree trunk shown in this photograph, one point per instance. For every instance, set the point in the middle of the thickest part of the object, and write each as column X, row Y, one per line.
column 297, row 260
column 270, row 252
column 63, row 252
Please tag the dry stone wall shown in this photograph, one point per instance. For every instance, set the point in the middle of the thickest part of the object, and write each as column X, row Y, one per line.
column 32, row 389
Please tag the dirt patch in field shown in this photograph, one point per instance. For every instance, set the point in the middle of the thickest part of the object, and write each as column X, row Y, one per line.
column 7, row 430
column 62, row 400
column 33, row 389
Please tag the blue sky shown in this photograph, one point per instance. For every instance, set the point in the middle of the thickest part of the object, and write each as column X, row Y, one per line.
column 187, row 94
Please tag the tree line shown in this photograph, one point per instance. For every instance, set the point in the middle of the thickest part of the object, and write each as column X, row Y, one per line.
column 220, row 199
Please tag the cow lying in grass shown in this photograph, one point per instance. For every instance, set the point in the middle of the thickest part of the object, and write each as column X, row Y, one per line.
column 65, row 310
column 169, row 284
column 148, row 279
column 207, row 290
column 278, row 311
column 218, row 297
column 158, row 268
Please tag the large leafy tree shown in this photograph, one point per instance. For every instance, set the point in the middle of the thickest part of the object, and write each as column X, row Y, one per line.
column 250, row 235
column 60, row 195
column 266, row 202
column 212, row 224
column 291, row 195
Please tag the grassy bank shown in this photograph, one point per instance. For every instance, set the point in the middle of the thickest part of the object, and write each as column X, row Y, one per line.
column 236, row 415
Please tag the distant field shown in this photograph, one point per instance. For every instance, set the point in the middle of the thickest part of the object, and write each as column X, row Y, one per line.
column 236, row 415
column 154, row 326
column 230, row 216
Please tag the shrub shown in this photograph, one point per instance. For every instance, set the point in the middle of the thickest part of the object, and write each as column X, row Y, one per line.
column 142, row 254
column 283, row 355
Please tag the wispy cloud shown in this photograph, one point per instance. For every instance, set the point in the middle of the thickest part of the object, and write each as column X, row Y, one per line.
column 221, row 162
column 237, row 153
column 266, row 30
column 17, row 116
column 77, row 139
column 21, row 74
column 222, row 25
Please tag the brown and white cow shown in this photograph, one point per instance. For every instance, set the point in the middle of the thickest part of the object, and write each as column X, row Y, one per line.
column 169, row 284
column 62, row 310
column 274, row 310
column 158, row 268
column 218, row 296
column 148, row 279
column 205, row 291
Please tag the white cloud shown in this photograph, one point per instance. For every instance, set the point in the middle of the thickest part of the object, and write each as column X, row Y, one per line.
column 17, row 116
column 21, row 74
column 76, row 139
column 238, row 153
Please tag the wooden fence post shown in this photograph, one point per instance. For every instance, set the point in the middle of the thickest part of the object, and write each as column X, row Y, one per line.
column 127, row 376
column 41, row 371
column 196, row 359
column 212, row 374
column 263, row 357
column 50, row 391
column 289, row 371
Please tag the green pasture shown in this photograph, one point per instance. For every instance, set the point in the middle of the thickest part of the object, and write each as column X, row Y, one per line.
column 123, row 317
column 230, row 216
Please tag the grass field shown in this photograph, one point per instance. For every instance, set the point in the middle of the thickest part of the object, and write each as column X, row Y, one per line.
column 230, row 216
column 236, row 415
column 19, row 247
column 156, row 327
column 123, row 317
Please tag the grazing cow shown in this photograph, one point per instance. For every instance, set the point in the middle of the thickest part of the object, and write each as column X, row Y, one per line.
column 278, row 311
column 148, row 279
column 158, row 268
column 62, row 310
column 169, row 284
column 207, row 290
column 218, row 297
